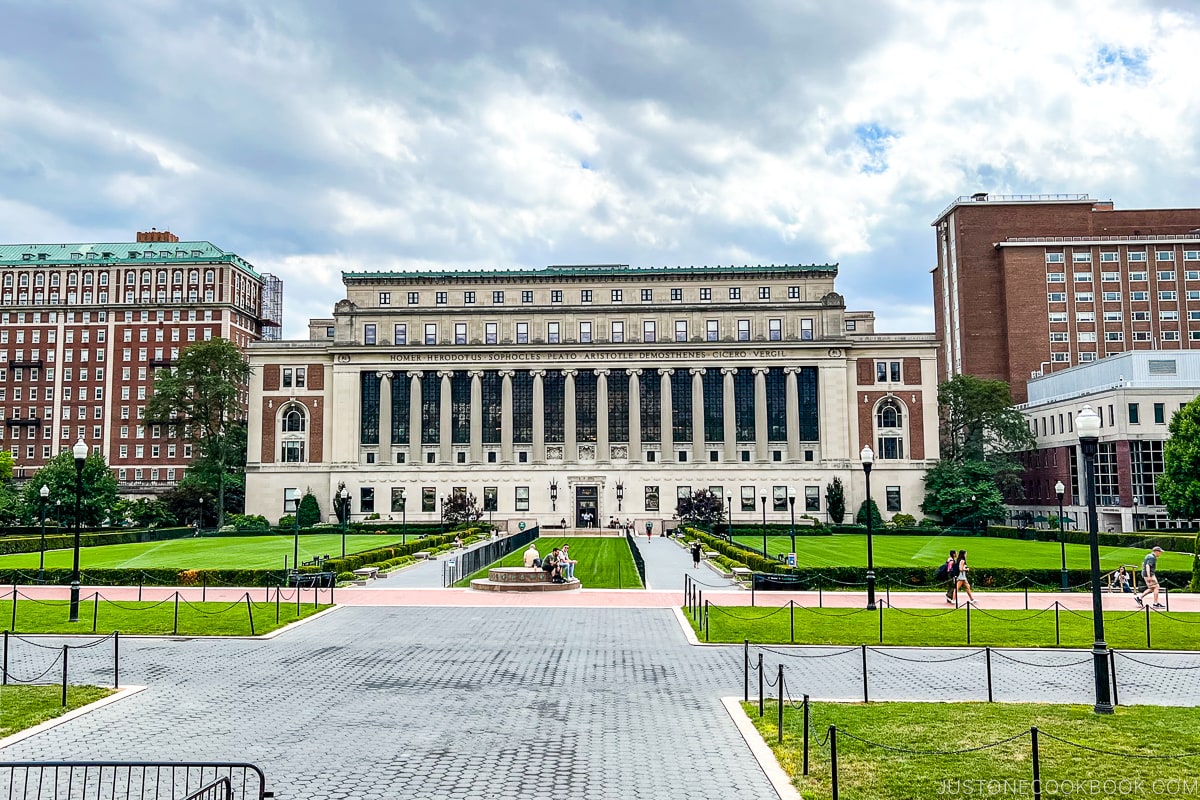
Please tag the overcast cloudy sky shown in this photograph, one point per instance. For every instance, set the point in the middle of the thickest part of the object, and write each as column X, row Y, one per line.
column 311, row 137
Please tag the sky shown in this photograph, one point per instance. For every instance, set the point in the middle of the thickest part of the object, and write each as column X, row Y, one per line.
column 316, row 137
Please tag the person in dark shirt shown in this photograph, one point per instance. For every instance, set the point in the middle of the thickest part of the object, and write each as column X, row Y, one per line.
column 1150, row 576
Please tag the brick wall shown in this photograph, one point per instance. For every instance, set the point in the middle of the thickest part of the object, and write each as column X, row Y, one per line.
column 913, row 405
column 316, row 376
column 912, row 372
column 316, row 429
column 268, row 430
column 866, row 371
column 271, row 378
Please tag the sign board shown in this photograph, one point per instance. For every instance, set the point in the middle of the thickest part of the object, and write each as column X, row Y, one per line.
column 791, row 559
column 520, row 526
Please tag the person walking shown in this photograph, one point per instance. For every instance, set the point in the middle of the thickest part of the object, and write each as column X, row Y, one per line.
column 951, row 570
column 1150, row 576
column 961, row 581
column 696, row 553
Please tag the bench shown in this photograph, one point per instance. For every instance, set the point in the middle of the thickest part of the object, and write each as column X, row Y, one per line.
column 421, row 555
column 369, row 573
column 521, row 579
column 742, row 573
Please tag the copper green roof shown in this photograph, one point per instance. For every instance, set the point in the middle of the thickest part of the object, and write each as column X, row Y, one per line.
column 117, row 253
column 597, row 271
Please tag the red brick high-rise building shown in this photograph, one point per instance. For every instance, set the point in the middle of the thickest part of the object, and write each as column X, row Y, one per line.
column 1030, row 284
column 83, row 328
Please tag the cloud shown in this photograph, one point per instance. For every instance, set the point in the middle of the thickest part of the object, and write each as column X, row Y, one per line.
column 310, row 138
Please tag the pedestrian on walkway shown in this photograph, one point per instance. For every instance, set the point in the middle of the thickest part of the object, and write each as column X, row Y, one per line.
column 696, row 553
column 1150, row 576
column 948, row 572
column 961, row 581
column 649, row 530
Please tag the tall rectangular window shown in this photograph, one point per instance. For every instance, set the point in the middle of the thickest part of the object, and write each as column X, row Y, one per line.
column 743, row 329
column 812, row 498
column 585, row 406
column 554, row 402
column 747, row 498
column 430, row 333
column 369, row 333
column 806, row 329
column 491, row 498
column 401, row 390
column 460, row 333
column 648, row 330
column 618, row 403
column 460, row 407
column 468, row 298
column 552, row 332
column 777, row 421
column 775, row 330
column 1133, row 414
column 651, row 407
column 492, row 389
column 743, row 404
column 522, row 382
column 521, row 498
column 366, row 500
column 431, row 408
column 712, row 331
column 1160, row 413
column 618, row 331
column 681, row 330
column 585, row 332
column 522, row 333
column 491, row 332
column 369, row 382
column 892, row 493
column 400, row 335
column 714, row 405
column 681, row 405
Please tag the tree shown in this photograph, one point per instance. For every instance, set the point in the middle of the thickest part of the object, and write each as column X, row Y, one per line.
column 1179, row 484
column 143, row 512
column 981, row 432
column 310, row 510
column 963, row 493
column 460, row 508
column 835, row 501
column 701, row 506
column 200, row 397
column 861, row 516
column 11, row 507
column 99, row 496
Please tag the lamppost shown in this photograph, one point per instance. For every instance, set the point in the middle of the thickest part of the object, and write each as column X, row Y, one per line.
column 44, row 493
column 868, row 458
column 80, row 451
column 345, row 498
column 553, row 494
column 1059, row 489
column 403, row 518
column 764, row 525
column 200, row 518
column 620, row 495
column 1087, row 423
column 296, row 540
column 792, row 503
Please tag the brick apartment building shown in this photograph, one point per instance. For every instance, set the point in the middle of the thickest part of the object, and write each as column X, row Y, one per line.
column 1032, row 284
column 82, row 329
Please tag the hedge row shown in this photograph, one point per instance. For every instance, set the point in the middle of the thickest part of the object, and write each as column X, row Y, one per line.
column 61, row 541
column 374, row 557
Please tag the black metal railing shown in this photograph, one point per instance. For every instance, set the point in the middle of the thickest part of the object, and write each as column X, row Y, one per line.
column 638, row 561
column 461, row 563
column 102, row 780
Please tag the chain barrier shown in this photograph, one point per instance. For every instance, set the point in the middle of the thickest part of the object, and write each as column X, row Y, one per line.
column 926, row 660
column 9, row 676
column 999, row 654
column 792, row 654
column 1154, row 666
column 723, row 610
column 199, row 610
column 32, row 643
column 1098, row 751
column 910, row 751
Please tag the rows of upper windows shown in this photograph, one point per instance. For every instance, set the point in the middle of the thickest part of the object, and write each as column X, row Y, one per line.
column 1114, row 256
column 680, row 330
column 500, row 297
column 101, row 278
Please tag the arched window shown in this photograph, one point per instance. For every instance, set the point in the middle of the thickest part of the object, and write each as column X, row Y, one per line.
column 292, row 439
column 293, row 420
column 889, row 429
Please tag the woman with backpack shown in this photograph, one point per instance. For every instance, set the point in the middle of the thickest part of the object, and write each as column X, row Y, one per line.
column 961, row 580
column 946, row 572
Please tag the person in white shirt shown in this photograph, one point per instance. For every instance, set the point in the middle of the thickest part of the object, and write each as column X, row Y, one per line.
column 531, row 555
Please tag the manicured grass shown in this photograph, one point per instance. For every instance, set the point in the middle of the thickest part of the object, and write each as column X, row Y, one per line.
column 1124, row 630
column 23, row 707
column 147, row 618
column 205, row 552
column 604, row 562
column 866, row 772
column 850, row 549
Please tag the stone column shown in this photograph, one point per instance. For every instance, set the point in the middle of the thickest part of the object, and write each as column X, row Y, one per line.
column 539, row 417
column 347, row 384
column 570, row 431
column 729, row 415
column 445, row 420
column 760, row 413
column 415, row 454
column 602, row 450
column 506, row 416
column 385, row 417
column 476, row 456
column 635, row 416
column 793, row 414
column 665, row 416
column 697, row 414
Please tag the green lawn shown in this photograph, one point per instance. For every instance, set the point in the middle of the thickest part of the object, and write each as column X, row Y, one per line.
column 205, row 552
column 866, row 772
column 850, row 549
column 155, row 618
column 604, row 562
column 1124, row 630
column 23, row 707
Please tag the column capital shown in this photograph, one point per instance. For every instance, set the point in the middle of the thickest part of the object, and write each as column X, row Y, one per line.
column 792, row 370
column 570, row 373
column 445, row 373
column 603, row 373
column 507, row 373
column 537, row 373
column 729, row 370
column 415, row 373
column 382, row 375
column 667, row 371
column 475, row 373
column 761, row 370
column 635, row 371
column 697, row 370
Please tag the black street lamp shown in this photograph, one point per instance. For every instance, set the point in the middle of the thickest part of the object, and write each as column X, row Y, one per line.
column 1087, row 423
column 868, row 458
column 1059, row 489
column 442, row 521
column 620, row 495
column 792, row 503
column 344, row 495
column 403, row 518
column 80, row 451
column 44, row 493
column 553, row 494
column 200, row 518
column 764, row 525
column 296, row 540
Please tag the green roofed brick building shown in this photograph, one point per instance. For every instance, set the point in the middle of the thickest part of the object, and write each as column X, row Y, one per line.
column 84, row 326
column 592, row 393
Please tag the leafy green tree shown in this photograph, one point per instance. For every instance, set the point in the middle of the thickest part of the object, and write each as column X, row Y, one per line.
column 460, row 508
column 143, row 512
column 861, row 516
column 12, row 509
column 310, row 510
column 200, row 398
column 1179, row 483
column 963, row 493
column 99, row 496
column 701, row 506
column 1194, row 586
column 835, row 501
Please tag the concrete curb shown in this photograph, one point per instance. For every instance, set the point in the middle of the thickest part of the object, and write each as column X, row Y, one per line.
column 761, row 751
column 20, row 736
